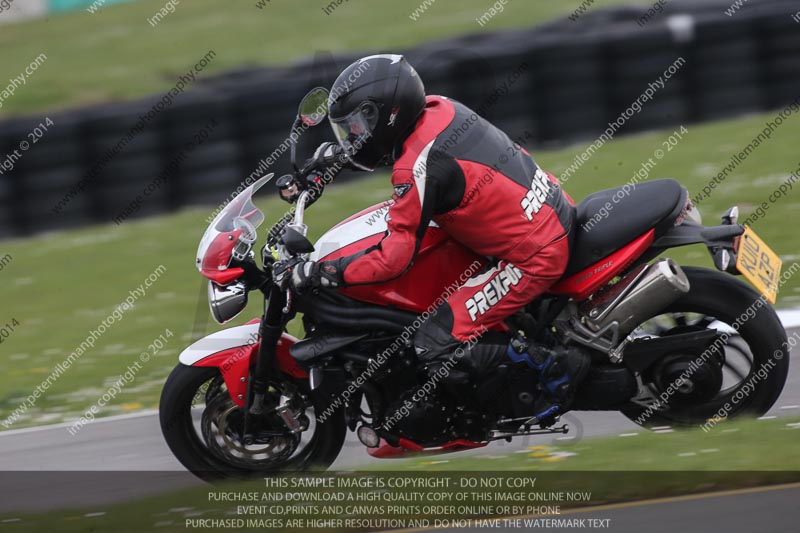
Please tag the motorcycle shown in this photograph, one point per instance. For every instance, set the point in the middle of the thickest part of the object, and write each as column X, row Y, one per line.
column 669, row 345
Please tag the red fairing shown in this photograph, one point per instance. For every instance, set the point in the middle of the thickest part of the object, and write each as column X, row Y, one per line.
column 214, row 264
column 583, row 284
column 223, row 277
column 218, row 256
column 234, row 365
column 406, row 447
column 441, row 263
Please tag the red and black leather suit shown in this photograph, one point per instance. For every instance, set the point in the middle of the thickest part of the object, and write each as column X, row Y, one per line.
column 461, row 172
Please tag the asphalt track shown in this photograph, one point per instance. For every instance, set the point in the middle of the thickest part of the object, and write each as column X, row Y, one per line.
column 134, row 443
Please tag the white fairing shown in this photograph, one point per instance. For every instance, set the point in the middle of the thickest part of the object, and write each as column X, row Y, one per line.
column 371, row 223
column 366, row 225
column 219, row 341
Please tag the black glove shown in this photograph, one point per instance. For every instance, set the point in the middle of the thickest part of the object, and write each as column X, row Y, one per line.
column 312, row 275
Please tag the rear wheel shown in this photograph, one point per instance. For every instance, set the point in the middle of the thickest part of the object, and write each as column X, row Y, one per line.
column 742, row 376
column 202, row 427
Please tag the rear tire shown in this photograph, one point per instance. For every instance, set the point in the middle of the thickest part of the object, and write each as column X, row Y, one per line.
column 177, row 426
column 726, row 298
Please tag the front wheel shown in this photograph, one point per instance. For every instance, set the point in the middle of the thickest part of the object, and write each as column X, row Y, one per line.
column 203, row 428
column 743, row 376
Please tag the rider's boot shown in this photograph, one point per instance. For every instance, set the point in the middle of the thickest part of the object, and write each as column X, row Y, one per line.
column 560, row 371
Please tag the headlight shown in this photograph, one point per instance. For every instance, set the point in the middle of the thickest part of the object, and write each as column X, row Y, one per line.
column 227, row 301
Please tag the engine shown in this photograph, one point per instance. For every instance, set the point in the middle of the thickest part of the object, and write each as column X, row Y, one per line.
column 432, row 419
column 460, row 408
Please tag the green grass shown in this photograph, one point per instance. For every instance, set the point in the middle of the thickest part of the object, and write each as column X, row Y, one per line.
column 61, row 286
column 115, row 54
column 613, row 469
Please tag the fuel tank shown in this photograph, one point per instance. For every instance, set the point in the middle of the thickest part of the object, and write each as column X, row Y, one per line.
column 441, row 265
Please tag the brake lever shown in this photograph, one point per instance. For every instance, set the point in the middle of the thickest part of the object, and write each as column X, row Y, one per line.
column 288, row 307
column 327, row 154
column 281, row 271
column 280, row 274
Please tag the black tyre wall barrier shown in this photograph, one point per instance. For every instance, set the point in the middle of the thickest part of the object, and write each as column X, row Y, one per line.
column 560, row 82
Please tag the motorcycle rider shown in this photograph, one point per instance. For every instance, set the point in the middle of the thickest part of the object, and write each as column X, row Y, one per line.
column 454, row 168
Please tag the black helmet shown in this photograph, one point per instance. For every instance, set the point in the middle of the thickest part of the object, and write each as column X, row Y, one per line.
column 373, row 105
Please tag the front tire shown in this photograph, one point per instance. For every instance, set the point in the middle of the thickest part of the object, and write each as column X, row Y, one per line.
column 198, row 451
column 727, row 299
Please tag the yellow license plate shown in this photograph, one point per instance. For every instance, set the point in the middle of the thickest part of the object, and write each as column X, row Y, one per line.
column 759, row 264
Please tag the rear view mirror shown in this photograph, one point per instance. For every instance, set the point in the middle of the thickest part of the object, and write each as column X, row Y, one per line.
column 314, row 106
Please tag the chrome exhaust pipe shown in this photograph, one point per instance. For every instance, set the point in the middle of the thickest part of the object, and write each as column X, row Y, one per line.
column 638, row 296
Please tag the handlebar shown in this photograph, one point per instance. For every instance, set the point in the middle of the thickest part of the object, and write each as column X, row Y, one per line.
column 304, row 187
column 276, row 230
column 300, row 211
column 295, row 218
column 307, row 186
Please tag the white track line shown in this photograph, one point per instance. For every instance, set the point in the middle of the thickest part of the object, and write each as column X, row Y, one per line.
column 790, row 318
column 34, row 429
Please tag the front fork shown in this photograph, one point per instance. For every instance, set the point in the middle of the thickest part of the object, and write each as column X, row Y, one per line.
column 270, row 332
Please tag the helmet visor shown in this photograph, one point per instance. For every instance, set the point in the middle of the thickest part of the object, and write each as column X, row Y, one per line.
column 354, row 130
